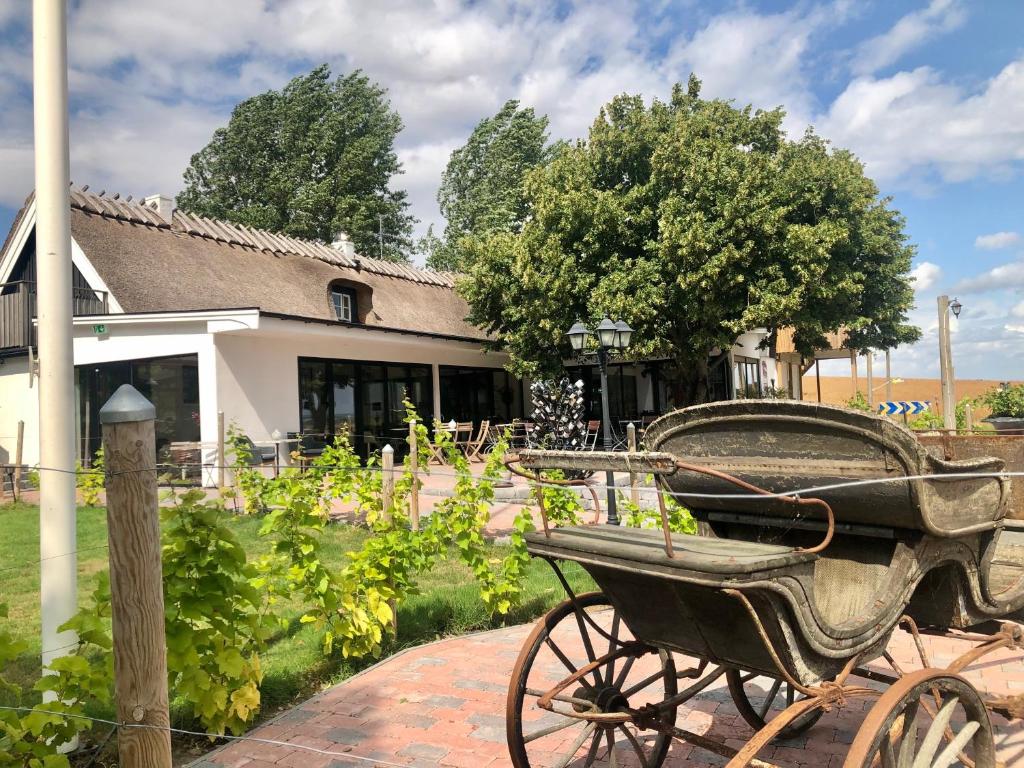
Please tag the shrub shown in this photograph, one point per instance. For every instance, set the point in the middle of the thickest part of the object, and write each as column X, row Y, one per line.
column 1005, row 402
column 679, row 518
column 858, row 403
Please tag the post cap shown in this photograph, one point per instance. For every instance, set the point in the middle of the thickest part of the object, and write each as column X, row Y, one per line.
column 387, row 449
column 126, row 404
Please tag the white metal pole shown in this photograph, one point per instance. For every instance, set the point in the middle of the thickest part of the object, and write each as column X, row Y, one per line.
column 58, row 571
column 870, row 360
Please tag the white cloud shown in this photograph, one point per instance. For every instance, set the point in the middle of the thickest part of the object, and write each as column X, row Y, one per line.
column 925, row 275
column 913, row 29
column 1003, row 277
column 997, row 240
column 1018, row 310
column 919, row 124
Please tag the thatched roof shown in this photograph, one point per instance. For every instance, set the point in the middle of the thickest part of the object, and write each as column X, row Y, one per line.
column 196, row 263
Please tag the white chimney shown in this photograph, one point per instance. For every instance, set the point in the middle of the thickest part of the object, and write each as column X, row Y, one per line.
column 344, row 244
column 163, row 205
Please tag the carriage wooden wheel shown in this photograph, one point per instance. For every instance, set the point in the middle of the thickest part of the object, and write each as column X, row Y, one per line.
column 562, row 643
column 929, row 719
column 759, row 699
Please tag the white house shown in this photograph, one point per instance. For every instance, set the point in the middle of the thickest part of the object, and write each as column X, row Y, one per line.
column 282, row 335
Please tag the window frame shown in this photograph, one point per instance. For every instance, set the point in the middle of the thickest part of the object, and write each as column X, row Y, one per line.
column 344, row 291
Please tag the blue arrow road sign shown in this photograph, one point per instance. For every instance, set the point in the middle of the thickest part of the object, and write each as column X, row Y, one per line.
column 896, row 407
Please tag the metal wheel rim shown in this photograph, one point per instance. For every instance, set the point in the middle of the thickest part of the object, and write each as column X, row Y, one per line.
column 601, row 740
column 757, row 716
column 882, row 740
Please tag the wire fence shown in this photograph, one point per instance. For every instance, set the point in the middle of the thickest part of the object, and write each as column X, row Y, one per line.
column 345, row 751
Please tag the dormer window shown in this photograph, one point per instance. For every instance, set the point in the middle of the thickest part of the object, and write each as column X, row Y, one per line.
column 343, row 300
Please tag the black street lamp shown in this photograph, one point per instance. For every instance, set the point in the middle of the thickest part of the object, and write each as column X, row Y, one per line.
column 612, row 338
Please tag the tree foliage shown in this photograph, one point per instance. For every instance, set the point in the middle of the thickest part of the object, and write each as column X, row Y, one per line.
column 482, row 186
column 312, row 160
column 694, row 221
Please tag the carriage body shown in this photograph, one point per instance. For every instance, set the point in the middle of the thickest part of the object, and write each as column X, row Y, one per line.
column 805, row 575
column 908, row 546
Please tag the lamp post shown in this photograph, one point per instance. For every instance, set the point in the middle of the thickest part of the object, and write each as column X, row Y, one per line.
column 612, row 338
column 946, row 360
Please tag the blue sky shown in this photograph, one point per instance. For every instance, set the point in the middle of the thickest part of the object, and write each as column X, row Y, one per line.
column 929, row 94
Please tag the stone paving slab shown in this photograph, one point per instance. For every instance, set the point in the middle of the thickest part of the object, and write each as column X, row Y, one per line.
column 443, row 705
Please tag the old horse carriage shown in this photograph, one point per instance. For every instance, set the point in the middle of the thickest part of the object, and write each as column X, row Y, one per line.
column 821, row 531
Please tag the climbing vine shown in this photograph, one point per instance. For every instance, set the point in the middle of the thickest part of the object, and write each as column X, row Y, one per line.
column 82, row 678
column 217, row 618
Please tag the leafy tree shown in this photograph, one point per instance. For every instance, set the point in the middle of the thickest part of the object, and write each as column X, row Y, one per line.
column 311, row 160
column 694, row 221
column 482, row 186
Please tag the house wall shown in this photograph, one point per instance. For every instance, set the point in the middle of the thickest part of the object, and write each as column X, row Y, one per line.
column 258, row 378
column 18, row 402
column 748, row 345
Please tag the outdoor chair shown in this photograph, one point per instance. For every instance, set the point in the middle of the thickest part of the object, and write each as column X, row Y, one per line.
column 590, row 439
column 258, row 454
column 476, row 447
column 462, row 436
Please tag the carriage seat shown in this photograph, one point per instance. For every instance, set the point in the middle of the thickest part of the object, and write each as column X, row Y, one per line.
column 644, row 549
column 784, row 446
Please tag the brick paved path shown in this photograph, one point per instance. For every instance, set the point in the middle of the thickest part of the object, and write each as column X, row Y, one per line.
column 443, row 705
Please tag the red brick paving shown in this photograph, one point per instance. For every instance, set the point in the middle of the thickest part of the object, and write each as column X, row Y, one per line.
column 443, row 704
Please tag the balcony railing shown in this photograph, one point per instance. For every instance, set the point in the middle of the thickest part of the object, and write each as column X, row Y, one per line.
column 18, row 310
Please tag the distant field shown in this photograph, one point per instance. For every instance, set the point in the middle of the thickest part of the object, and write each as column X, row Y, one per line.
column 836, row 390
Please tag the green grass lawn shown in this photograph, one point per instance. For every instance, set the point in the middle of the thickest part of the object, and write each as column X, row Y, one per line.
column 294, row 664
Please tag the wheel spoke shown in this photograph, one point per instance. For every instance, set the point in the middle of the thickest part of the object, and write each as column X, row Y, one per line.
column 790, row 694
column 624, row 672
column 643, row 683
column 577, row 744
column 552, row 729
column 934, row 734
column 748, row 677
column 949, row 755
column 773, row 694
column 636, row 746
column 565, row 660
column 612, row 760
column 610, row 675
column 592, row 752
column 888, row 757
column 909, row 737
column 587, row 644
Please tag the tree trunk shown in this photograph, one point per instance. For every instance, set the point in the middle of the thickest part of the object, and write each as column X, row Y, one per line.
column 688, row 381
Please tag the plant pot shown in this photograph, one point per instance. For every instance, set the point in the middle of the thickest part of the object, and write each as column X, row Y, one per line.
column 1006, row 425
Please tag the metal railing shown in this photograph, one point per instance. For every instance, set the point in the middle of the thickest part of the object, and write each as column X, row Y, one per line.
column 18, row 309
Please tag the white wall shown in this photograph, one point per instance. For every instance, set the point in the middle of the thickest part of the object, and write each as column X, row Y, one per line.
column 18, row 403
column 258, row 371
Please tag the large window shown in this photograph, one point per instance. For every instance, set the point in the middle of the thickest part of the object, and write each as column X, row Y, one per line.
column 622, row 391
column 748, row 377
column 170, row 383
column 475, row 394
column 362, row 400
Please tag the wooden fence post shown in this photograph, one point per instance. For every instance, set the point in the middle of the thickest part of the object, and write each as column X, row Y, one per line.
column 969, row 416
column 221, row 453
column 634, row 491
column 387, row 480
column 387, row 493
column 19, row 448
column 414, row 468
column 136, row 579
